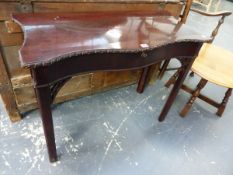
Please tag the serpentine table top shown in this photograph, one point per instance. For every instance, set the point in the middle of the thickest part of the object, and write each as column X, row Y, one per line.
column 58, row 46
column 51, row 37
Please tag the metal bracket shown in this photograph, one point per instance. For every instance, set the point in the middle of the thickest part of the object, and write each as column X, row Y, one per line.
column 26, row 5
column 162, row 5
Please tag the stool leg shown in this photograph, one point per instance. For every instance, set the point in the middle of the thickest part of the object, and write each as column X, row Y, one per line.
column 163, row 68
column 195, row 94
column 191, row 74
column 143, row 79
column 224, row 102
column 44, row 102
column 173, row 78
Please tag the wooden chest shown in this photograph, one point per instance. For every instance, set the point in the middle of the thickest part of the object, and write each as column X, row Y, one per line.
column 16, row 86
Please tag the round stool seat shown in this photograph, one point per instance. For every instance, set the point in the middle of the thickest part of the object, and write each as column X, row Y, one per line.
column 215, row 64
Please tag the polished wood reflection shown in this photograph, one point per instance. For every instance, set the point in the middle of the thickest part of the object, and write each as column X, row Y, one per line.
column 50, row 36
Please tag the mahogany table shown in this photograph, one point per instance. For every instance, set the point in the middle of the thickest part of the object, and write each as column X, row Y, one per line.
column 58, row 46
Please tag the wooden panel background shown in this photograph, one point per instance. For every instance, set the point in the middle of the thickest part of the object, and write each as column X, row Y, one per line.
column 94, row 7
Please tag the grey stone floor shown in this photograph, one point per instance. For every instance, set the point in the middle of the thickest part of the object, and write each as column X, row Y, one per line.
column 117, row 132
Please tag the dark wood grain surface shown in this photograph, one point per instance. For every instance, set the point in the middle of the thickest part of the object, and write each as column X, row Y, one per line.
column 53, row 36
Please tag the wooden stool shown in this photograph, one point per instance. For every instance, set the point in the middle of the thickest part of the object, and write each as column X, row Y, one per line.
column 213, row 64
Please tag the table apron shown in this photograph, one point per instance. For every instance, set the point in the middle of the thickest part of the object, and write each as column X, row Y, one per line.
column 50, row 73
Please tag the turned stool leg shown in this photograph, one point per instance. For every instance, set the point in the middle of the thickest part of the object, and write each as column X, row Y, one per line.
column 224, row 102
column 191, row 74
column 143, row 79
column 195, row 94
column 163, row 68
column 173, row 78
column 44, row 102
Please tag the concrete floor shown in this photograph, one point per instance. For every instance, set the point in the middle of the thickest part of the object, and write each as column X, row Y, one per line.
column 117, row 132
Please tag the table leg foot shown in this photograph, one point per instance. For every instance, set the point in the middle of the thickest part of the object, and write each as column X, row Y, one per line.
column 178, row 83
column 44, row 102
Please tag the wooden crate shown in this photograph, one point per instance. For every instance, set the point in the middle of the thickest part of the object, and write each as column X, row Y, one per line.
column 16, row 85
